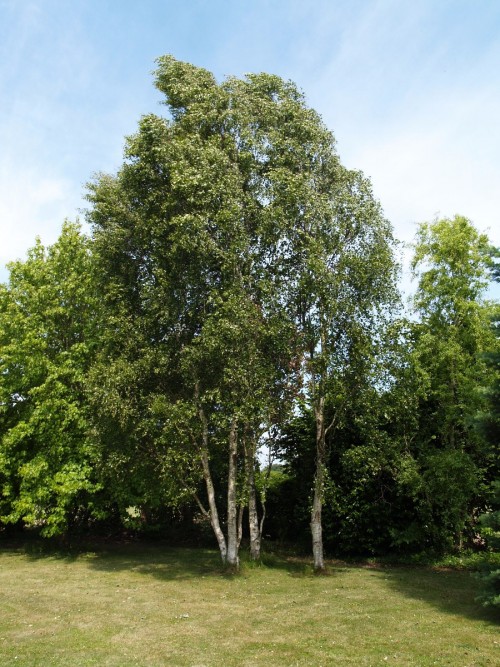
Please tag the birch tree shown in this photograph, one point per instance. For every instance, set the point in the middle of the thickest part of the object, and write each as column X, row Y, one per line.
column 347, row 285
column 236, row 251
column 179, row 232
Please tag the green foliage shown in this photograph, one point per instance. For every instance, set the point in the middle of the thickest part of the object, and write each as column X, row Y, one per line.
column 361, row 495
column 451, row 340
column 240, row 283
column 490, row 531
column 188, row 242
column 48, row 330
column 408, row 464
column 233, row 247
column 490, row 419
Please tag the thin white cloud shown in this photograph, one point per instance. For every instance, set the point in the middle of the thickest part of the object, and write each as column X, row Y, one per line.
column 24, row 217
column 442, row 162
column 408, row 88
column 414, row 113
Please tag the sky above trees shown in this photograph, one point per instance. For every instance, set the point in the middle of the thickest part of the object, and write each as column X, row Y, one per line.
column 410, row 91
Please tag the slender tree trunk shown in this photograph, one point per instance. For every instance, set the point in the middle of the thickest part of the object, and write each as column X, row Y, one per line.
column 241, row 512
column 319, row 485
column 255, row 529
column 253, row 517
column 232, row 510
column 214, row 515
column 263, row 500
column 261, row 524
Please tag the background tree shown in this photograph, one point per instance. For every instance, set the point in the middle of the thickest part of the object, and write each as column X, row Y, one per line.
column 489, row 574
column 490, row 423
column 408, row 466
column 365, row 453
column 451, row 339
column 48, row 333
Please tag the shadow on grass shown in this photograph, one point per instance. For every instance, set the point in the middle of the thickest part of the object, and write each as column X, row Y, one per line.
column 167, row 563
column 450, row 591
column 156, row 559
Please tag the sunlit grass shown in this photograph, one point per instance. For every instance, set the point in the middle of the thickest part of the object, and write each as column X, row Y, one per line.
column 152, row 605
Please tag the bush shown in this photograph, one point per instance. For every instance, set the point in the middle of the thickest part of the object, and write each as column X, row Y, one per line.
column 489, row 575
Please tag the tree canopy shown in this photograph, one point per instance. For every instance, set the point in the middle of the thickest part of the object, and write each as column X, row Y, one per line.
column 239, row 291
column 48, row 329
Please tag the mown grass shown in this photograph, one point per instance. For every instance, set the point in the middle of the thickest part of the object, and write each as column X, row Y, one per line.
column 152, row 605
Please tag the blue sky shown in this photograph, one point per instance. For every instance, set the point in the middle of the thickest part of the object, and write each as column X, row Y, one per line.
column 410, row 89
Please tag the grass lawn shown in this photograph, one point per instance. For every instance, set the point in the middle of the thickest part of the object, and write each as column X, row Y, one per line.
column 153, row 605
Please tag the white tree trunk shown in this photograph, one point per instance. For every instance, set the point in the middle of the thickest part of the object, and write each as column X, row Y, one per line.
column 241, row 512
column 253, row 517
column 319, row 486
column 316, row 526
column 213, row 513
column 232, row 509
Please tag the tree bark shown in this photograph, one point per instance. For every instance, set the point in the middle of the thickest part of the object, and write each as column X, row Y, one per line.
column 232, row 510
column 253, row 517
column 241, row 511
column 213, row 513
column 319, row 485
